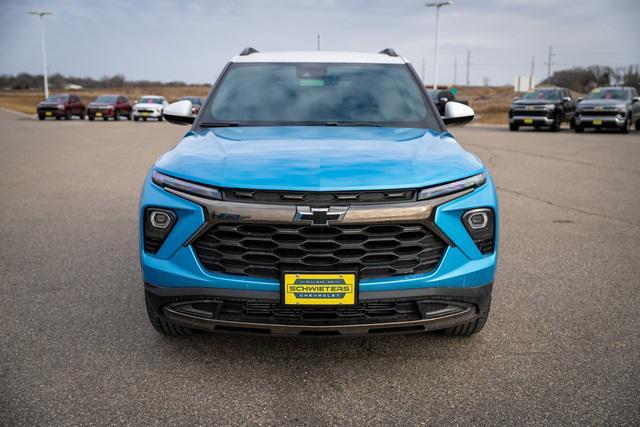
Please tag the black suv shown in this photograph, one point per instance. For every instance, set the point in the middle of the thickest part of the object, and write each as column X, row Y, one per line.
column 440, row 97
column 548, row 106
column 609, row 107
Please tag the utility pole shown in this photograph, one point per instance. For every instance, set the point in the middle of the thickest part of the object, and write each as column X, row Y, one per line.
column 549, row 63
column 455, row 71
column 533, row 64
column 468, row 64
column 437, row 5
column 318, row 47
column 40, row 14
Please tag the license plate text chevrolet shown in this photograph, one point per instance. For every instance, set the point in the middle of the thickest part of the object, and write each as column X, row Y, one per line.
column 318, row 193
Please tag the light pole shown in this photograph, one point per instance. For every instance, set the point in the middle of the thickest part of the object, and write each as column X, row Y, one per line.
column 40, row 14
column 437, row 5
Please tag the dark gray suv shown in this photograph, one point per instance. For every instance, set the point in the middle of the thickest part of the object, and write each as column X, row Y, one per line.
column 609, row 108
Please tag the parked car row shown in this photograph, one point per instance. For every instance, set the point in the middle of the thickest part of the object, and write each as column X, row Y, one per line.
column 107, row 107
column 603, row 108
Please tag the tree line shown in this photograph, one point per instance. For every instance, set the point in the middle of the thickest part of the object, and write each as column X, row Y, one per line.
column 582, row 80
column 59, row 81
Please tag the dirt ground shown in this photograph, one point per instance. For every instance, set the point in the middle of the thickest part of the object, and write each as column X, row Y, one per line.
column 490, row 103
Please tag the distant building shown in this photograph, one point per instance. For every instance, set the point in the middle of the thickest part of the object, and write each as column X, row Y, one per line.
column 71, row 86
column 524, row 83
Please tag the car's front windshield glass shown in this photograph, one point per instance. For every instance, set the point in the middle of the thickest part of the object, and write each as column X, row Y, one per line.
column 58, row 98
column 614, row 93
column 320, row 94
column 106, row 98
column 149, row 100
column 542, row 95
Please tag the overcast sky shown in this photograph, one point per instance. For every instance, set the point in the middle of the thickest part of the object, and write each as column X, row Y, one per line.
column 192, row 40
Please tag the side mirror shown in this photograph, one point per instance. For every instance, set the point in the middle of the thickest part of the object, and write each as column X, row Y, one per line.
column 566, row 99
column 636, row 99
column 179, row 113
column 443, row 99
column 515, row 98
column 457, row 114
column 580, row 99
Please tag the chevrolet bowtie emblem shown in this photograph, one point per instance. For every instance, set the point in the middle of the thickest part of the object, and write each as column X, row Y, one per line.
column 320, row 216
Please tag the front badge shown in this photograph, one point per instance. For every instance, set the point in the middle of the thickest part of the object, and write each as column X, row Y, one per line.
column 318, row 289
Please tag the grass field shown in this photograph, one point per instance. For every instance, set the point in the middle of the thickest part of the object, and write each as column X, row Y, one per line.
column 490, row 103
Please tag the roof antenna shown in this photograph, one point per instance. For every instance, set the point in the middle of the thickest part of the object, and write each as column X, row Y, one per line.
column 388, row 51
column 248, row 51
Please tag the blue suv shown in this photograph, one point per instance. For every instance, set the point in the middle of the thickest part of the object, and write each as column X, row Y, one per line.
column 318, row 193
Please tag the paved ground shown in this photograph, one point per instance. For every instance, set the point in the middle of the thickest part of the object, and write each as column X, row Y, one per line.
column 562, row 344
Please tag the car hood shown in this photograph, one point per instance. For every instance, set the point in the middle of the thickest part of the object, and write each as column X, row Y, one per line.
column 101, row 104
column 601, row 102
column 49, row 104
column 319, row 158
column 147, row 105
column 533, row 102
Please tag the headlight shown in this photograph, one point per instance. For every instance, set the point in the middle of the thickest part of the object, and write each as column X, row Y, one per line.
column 60, row 107
column 452, row 187
column 622, row 108
column 188, row 187
column 550, row 106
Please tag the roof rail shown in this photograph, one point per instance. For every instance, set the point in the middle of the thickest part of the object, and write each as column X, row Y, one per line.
column 388, row 51
column 248, row 51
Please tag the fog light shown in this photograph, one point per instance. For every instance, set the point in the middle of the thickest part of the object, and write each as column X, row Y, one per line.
column 480, row 226
column 478, row 220
column 158, row 223
column 160, row 219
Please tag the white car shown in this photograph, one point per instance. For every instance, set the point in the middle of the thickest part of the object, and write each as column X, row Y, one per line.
column 149, row 106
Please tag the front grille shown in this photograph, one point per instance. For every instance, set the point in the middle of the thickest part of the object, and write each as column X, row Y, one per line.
column 599, row 113
column 266, row 250
column 532, row 113
column 320, row 198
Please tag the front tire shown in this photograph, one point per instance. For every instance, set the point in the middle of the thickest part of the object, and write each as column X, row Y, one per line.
column 470, row 328
column 135, row 118
column 40, row 117
column 555, row 127
column 116, row 115
column 163, row 326
column 513, row 127
column 578, row 129
column 67, row 115
column 626, row 126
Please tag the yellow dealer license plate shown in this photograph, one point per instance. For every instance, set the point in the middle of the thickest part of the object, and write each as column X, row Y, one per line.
column 597, row 122
column 48, row 113
column 528, row 121
column 98, row 114
column 319, row 289
column 145, row 114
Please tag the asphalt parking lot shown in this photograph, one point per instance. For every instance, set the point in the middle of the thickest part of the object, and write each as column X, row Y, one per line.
column 562, row 344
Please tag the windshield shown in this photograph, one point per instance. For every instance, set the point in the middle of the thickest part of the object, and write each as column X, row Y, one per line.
column 58, row 98
column 150, row 100
column 613, row 93
column 107, row 98
column 320, row 94
column 542, row 95
column 195, row 100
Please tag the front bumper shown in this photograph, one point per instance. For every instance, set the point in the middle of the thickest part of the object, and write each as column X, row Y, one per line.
column 93, row 112
column 524, row 120
column 600, row 121
column 147, row 113
column 252, row 312
column 175, row 272
column 51, row 112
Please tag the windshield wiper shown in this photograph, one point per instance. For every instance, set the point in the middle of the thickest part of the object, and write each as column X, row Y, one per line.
column 353, row 124
column 218, row 124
